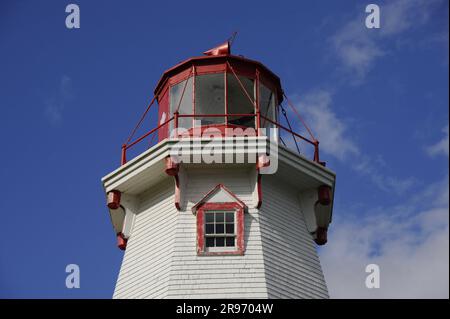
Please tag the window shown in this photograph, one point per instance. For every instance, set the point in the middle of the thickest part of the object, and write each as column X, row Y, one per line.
column 238, row 101
column 210, row 97
column 220, row 225
column 267, row 106
column 183, row 100
column 220, row 229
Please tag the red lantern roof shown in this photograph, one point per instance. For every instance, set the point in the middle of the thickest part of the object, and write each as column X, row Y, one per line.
column 216, row 60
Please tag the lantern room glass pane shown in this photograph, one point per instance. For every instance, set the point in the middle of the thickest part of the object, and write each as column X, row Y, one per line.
column 176, row 94
column 238, row 101
column 267, row 106
column 210, row 98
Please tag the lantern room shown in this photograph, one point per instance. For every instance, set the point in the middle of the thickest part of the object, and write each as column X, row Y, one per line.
column 217, row 90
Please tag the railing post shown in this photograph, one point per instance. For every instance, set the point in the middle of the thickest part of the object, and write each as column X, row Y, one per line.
column 175, row 120
column 123, row 160
column 316, row 151
column 258, row 111
column 258, row 122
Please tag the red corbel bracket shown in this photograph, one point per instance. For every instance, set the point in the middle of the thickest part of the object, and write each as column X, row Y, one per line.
column 172, row 169
column 121, row 241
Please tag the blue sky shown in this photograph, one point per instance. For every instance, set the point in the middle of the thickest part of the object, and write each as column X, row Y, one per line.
column 377, row 99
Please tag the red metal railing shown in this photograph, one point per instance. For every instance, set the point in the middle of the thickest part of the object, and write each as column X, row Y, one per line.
column 254, row 101
column 315, row 143
column 127, row 146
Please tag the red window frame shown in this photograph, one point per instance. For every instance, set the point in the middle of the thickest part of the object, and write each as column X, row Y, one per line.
column 239, row 211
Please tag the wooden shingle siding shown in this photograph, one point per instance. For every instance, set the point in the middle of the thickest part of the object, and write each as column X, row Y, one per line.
column 146, row 264
column 195, row 276
column 161, row 261
column 291, row 263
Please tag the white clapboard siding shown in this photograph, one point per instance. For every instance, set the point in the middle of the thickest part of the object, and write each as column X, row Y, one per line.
column 290, row 259
column 280, row 259
column 193, row 276
column 146, row 264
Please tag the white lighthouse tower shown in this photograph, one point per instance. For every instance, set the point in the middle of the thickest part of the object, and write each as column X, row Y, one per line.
column 223, row 205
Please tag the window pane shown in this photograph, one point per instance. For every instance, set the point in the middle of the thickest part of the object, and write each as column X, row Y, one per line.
column 267, row 105
column 230, row 228
column 186, row 102
column 219, row 217
column 219, row 229
column 210, row 97
column 230, row 217
column 230, row 241
column 238, row 102
column 220, row 242
column 209, row 229
column 209, row 242
column 209, row 218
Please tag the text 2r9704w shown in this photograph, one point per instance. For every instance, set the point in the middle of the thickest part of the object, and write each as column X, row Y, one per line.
column 245, row 308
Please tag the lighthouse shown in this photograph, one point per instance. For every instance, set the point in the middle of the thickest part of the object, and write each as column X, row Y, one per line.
column 223, row 197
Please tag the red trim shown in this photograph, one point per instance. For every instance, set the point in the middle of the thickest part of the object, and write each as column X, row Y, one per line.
column 321, row 236
column 172, row 169
column 208, row 64
column 224, row 48
column 225, row 74
column 239, row 211
column 113, row 200
column 121, row 241
column 200, row 233
column 194, row 73
column 201, row 202
column 221, row 129
column 324, row 194
column 263, row 161
column 259, row 190
column 258, row 110
column 177, row 192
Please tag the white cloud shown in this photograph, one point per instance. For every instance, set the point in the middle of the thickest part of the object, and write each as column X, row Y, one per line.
column 370, row 167
column 357, row 48
column 411, row 246
column 336, row 140
column 400, row 15
column 55, row 105
column 409, row 241
column 440, row 148
column 328, row 128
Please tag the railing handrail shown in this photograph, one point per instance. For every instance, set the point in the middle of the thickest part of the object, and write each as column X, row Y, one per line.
column 148, row 133
column 174, row 118
column 216, row 115
column 288, row 130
